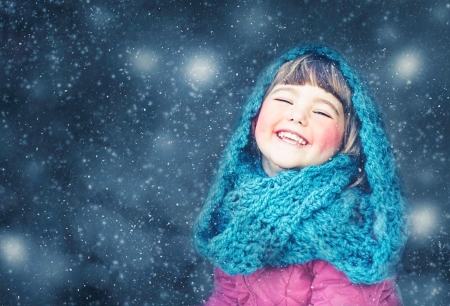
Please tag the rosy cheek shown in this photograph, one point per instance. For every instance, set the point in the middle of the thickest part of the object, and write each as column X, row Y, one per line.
column 262, row 122
column 260, row 126
column 331, row 137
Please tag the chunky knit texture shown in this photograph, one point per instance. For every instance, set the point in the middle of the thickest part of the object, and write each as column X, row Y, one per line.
column 251, row 220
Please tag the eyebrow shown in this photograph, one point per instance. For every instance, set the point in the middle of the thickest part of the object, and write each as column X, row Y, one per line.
column 319, row 100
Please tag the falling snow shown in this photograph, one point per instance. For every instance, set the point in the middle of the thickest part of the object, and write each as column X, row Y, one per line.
column 115, row 113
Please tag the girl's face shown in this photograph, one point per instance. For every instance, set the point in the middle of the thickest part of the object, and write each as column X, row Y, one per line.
column 298, row 126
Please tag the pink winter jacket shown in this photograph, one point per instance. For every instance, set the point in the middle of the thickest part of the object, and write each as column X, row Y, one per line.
column 315, row 283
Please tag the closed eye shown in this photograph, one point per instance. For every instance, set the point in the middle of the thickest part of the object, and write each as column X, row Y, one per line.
column 283, row 100
column 322, row 114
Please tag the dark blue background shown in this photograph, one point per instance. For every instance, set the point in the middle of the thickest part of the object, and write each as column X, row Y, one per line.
column 114, row 114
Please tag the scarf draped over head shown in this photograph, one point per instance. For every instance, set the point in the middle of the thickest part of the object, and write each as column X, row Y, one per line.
column 250, row 220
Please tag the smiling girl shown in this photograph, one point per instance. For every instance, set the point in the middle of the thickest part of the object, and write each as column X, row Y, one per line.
column 306, row 208
column 298, row 126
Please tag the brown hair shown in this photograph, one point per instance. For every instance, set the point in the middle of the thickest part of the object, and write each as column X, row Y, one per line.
column 322, row 72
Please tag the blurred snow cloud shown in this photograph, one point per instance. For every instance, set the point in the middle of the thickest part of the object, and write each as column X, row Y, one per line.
column 144, row 60
column 254, row 20
column 99, row 17
column 388, row 33
column 440, row 12
column 164, row 142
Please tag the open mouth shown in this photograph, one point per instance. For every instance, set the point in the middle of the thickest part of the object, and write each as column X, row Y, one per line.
column 291, row 138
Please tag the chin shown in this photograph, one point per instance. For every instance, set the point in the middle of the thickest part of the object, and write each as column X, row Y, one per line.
column 289, row 166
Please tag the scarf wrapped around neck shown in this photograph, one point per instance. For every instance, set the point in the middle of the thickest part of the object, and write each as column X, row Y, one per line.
column 250, row 220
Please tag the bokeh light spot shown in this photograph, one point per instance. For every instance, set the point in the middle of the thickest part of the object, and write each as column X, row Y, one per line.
column 13, row 250
column 201, row 69
column 407, row 65
column 424, row 220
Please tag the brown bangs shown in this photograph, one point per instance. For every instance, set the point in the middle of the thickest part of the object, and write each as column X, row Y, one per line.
column 317, row 71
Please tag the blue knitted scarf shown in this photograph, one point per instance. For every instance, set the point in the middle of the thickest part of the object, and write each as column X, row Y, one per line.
column 251, row 220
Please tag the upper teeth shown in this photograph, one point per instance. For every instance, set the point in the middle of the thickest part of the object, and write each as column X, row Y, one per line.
column 292, row 136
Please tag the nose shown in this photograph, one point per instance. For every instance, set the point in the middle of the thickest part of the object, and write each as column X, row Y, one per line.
column 299, row 114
